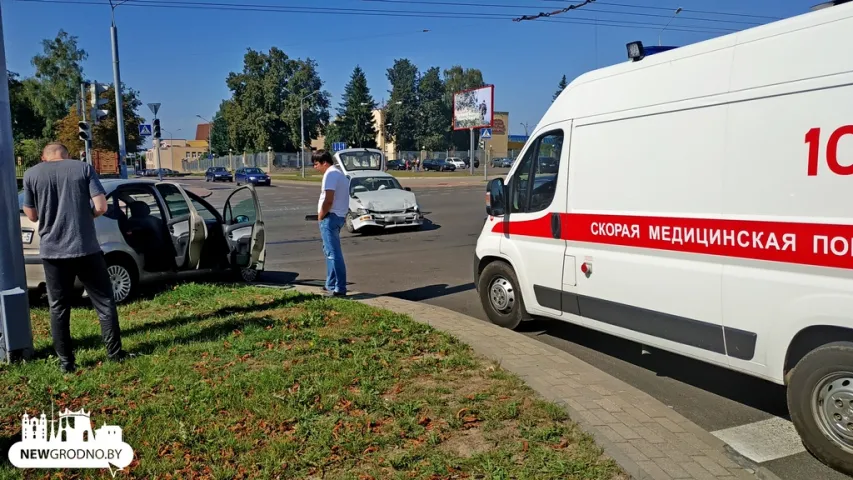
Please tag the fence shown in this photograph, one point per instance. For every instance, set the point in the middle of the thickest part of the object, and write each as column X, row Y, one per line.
column 284, row 162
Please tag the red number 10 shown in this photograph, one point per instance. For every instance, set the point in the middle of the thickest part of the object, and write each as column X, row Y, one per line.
column 813, row 140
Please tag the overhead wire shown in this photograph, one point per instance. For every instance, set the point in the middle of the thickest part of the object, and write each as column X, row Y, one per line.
column 223, row 6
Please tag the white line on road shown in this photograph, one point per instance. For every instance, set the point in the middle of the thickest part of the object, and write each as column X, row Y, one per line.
column 763, row 441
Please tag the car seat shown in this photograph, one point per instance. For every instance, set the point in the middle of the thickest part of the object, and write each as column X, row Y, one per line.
column 148, row 236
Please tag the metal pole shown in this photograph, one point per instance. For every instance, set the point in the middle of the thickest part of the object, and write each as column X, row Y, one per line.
column 122, row 149
column 471, row 156
column 157, row 158
column 302, row 134
column 17, row 334
column 87, row 144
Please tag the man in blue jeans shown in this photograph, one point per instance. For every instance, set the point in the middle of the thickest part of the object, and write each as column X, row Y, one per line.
column 332, row 210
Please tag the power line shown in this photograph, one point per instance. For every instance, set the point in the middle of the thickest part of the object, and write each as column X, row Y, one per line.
column 671, row 9
column 555, row 12
column 206, row 5
column 588, row 9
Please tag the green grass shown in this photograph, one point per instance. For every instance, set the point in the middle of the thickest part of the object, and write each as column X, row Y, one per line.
column 242, row 382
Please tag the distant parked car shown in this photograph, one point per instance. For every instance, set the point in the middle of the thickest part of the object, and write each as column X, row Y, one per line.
column 504, row 162
column 251, row 175
column 467, row 162
column 214, row 174
column 456, row 162
column 396, row 165
column 438, row 165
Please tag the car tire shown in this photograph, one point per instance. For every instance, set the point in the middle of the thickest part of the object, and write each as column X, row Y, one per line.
column 248, row 275
column 350, row 227
column 123, row 278
column 820, row 382
column 501, row 296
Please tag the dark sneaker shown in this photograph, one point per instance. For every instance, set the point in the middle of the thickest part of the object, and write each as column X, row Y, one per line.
column 121, row 356
column 67, row 368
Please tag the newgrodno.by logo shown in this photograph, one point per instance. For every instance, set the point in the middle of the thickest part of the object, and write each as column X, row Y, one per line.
column 69, row 443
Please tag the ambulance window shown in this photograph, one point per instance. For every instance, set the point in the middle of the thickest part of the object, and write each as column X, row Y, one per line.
column 534, row 183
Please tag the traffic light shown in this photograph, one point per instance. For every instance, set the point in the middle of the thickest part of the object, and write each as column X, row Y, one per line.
column 157, row 128
column 83, row 132
column 96, row 102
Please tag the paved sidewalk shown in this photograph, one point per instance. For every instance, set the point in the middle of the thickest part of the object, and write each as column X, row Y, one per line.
column 648, row 439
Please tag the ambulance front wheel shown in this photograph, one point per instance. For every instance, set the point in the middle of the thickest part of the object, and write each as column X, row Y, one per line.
column 820, row 400
column 500, row 295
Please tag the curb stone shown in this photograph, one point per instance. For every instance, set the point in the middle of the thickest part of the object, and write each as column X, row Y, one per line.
column 649, row 440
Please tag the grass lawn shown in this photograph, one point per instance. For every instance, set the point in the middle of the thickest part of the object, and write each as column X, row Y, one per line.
column 239, row 382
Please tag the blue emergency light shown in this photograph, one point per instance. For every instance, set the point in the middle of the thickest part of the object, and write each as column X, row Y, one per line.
column 637, row 51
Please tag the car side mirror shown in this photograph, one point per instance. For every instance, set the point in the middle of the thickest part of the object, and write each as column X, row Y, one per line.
column 408, row 189
column 495, row 197
column 241, row 219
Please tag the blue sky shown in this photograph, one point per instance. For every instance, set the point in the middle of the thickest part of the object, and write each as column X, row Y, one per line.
column 180, row 57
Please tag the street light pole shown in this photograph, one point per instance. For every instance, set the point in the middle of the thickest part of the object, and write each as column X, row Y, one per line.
column 16, row 333
column 122, row 148
column 209, row 137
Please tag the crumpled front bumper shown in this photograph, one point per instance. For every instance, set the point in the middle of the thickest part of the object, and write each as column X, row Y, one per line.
column 388, row 220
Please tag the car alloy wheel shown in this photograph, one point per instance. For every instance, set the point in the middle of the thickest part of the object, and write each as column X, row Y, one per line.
column 249, row 274
column 121, row 280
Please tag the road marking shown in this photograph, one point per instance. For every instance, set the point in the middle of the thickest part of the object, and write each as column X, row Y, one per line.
column 763, row 441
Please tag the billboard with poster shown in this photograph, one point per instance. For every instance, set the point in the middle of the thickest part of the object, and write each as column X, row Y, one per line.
column 474, row 108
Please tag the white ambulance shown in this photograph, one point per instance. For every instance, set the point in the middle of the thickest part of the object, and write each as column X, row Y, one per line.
column 698, row 200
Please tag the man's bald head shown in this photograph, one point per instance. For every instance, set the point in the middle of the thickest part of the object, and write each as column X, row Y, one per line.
column 54, row 151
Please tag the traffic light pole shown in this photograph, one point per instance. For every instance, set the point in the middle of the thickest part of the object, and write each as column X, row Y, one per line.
column 16, row 334
column 87, row 144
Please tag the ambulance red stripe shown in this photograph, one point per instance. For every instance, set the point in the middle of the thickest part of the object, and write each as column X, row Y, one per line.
column 816, row 244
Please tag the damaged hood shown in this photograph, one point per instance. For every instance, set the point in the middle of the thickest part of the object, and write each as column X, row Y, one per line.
column 385, row 200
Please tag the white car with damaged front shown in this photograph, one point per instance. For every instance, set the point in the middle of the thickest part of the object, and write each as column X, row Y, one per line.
column 377, row 200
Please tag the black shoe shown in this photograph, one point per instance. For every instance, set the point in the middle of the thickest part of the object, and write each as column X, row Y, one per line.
column 121, row 356
column 67, row 367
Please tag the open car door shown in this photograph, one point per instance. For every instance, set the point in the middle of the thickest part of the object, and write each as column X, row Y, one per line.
column 186, row 226
column 244, row 228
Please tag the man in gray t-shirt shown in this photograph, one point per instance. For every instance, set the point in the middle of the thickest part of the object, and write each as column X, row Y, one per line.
column 65, row 196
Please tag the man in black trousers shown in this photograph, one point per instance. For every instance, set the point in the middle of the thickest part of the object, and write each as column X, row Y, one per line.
column 65, row 196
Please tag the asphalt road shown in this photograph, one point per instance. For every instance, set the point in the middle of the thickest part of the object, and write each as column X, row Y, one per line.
column 433, row 265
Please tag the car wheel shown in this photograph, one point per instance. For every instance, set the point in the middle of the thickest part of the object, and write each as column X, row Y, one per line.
column 250, row 275
column 123, row 278
column 349, row 225
column 500, row 295
column 206, row 179
column 820, row 401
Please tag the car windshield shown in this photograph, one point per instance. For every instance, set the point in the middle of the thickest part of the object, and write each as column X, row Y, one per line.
column 361, row 160
column 373, row 184
column 219, row 169
column 254, row 170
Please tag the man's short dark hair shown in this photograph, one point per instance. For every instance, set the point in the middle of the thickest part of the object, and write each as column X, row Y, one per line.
column 322, row 156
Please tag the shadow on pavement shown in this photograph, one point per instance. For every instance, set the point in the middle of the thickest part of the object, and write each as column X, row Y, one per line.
column 429, row 292
column 754, row 392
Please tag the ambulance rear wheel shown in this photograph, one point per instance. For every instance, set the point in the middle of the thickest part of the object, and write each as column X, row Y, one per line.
column 820, row 400
column 500, row 295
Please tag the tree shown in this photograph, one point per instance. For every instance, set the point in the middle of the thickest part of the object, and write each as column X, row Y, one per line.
column 562, row 86
column 457, row 79
column 66, row 132
column 356, row 112
column 105, row 133
column 26, row 122
column 403, row 77
column 433, row 112
column 58, row 76
column 264, row 110
column 332, row 135
column 219, row 141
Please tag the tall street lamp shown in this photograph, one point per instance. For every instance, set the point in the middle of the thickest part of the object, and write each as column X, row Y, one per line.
column 302, row 126
column 172, row 147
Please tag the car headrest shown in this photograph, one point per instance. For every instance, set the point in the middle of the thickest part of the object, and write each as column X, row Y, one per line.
column 139, row 209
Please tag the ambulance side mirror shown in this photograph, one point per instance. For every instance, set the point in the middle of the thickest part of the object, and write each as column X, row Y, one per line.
column 496, row 198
